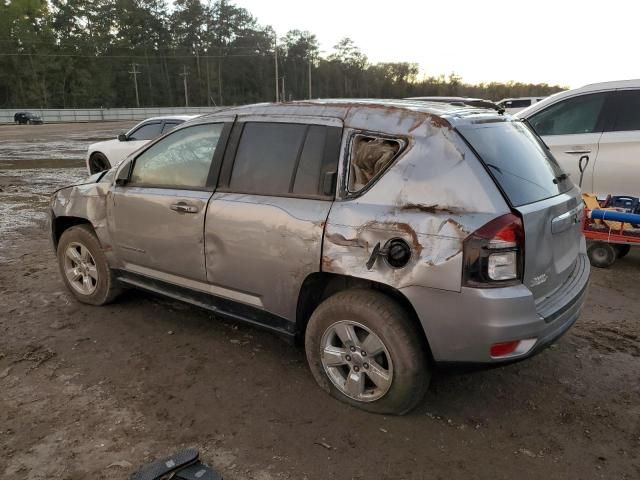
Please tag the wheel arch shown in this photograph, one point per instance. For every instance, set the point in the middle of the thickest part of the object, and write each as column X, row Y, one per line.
column 60, row 224
column 319, row 286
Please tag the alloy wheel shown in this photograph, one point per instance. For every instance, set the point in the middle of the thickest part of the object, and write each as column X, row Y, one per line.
column 80, row 268
column 356, row 361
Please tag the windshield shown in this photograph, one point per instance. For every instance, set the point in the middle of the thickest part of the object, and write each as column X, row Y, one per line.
column 518, row 161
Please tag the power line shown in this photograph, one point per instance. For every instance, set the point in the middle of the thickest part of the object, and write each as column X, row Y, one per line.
column 269, row 54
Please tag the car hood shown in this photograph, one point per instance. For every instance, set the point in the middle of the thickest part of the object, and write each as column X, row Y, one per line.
column 98, row 145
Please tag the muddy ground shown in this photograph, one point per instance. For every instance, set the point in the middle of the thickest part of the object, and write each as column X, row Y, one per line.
column 90, row 393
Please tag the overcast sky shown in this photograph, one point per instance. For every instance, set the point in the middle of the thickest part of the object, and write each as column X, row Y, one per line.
column 566, row 42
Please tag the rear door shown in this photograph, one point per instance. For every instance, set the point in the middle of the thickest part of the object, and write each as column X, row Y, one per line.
column 157, row 217
column 548, row 202
column 572, row 129
column 617, row 170
column 265, row 223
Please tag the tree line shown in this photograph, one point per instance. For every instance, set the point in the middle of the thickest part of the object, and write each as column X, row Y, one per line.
column 127, row 53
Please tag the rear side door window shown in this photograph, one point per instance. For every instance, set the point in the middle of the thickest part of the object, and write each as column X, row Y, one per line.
column 180, row 160
column 576, row 115
column 285, row 159
column 148, row 131
column 626, row 111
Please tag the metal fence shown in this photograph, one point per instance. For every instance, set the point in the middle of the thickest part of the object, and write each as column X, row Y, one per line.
column 103, row 114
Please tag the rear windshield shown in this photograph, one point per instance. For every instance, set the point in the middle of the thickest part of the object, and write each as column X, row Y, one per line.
column 518, row 161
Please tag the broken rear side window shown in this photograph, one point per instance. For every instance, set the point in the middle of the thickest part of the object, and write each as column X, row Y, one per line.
column 370, row 156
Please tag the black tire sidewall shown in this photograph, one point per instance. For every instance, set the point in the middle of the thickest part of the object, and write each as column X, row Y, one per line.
column 610, row 253
column 391, row 323
column 102, row 159
column 84, row 235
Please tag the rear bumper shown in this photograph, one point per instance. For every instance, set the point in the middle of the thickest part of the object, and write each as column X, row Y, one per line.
column 462, row 326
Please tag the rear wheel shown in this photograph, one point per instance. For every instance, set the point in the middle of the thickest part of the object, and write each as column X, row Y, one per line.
column 98, row 162
column 601, row 254
column 364, row 350
column 84, row 266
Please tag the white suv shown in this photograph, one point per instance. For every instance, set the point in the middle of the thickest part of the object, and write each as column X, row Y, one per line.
column 104, row 155
column 600, row 124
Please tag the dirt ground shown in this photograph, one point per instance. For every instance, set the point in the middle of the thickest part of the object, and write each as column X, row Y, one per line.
column 93, row 392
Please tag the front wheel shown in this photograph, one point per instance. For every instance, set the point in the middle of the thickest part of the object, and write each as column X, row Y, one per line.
column 84, row 266
column 364, row 350
column 98, row 162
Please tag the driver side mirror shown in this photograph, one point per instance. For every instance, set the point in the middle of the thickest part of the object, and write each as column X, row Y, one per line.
column 122, row 137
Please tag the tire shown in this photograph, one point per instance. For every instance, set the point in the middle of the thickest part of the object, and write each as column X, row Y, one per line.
column 601, row 254
column 404, row 357
column 622, row 250
column 90, row 262
column 98, row 162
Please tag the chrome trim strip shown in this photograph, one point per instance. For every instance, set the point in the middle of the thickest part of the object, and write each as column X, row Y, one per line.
column 243, row 297
column 561, row 223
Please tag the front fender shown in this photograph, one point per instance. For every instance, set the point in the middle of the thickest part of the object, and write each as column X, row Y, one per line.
column 83, row 202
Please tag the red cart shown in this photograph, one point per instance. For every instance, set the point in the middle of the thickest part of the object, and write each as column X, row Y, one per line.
column 607, row 240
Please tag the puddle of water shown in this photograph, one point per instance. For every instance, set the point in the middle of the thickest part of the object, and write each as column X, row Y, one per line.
column 24, row 197
column 41, row 163
column 65, row 146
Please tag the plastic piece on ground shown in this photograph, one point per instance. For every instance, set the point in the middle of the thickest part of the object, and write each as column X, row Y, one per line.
column 197, row 471
column 164, row 466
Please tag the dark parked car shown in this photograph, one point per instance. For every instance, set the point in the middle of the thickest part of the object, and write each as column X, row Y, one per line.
column 24, row 118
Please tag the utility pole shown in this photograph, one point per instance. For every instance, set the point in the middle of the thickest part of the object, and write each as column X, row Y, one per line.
column 309, row 79
column 284, row 95
column 135, row 74
column 184, row 76
column 208, row 85
column 276, row 60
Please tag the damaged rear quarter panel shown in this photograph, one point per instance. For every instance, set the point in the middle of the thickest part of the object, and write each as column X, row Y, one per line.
column 433, row 196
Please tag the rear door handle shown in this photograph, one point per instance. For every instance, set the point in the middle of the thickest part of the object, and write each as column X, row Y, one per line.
column 184, row 208
column 577, row 152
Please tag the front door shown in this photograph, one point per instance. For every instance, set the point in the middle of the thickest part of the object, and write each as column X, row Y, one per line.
column 265, row 224
column 157, row 217
column 572, row 129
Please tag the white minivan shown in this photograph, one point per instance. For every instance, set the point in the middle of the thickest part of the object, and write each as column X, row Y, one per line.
column 597, row 125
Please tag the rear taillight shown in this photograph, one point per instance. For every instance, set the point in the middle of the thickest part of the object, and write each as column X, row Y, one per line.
column 493, row 254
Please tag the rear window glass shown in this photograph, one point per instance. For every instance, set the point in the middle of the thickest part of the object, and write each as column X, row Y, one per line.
column 519, row 162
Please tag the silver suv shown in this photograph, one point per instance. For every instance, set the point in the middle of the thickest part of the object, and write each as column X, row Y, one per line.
column 389, row 236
